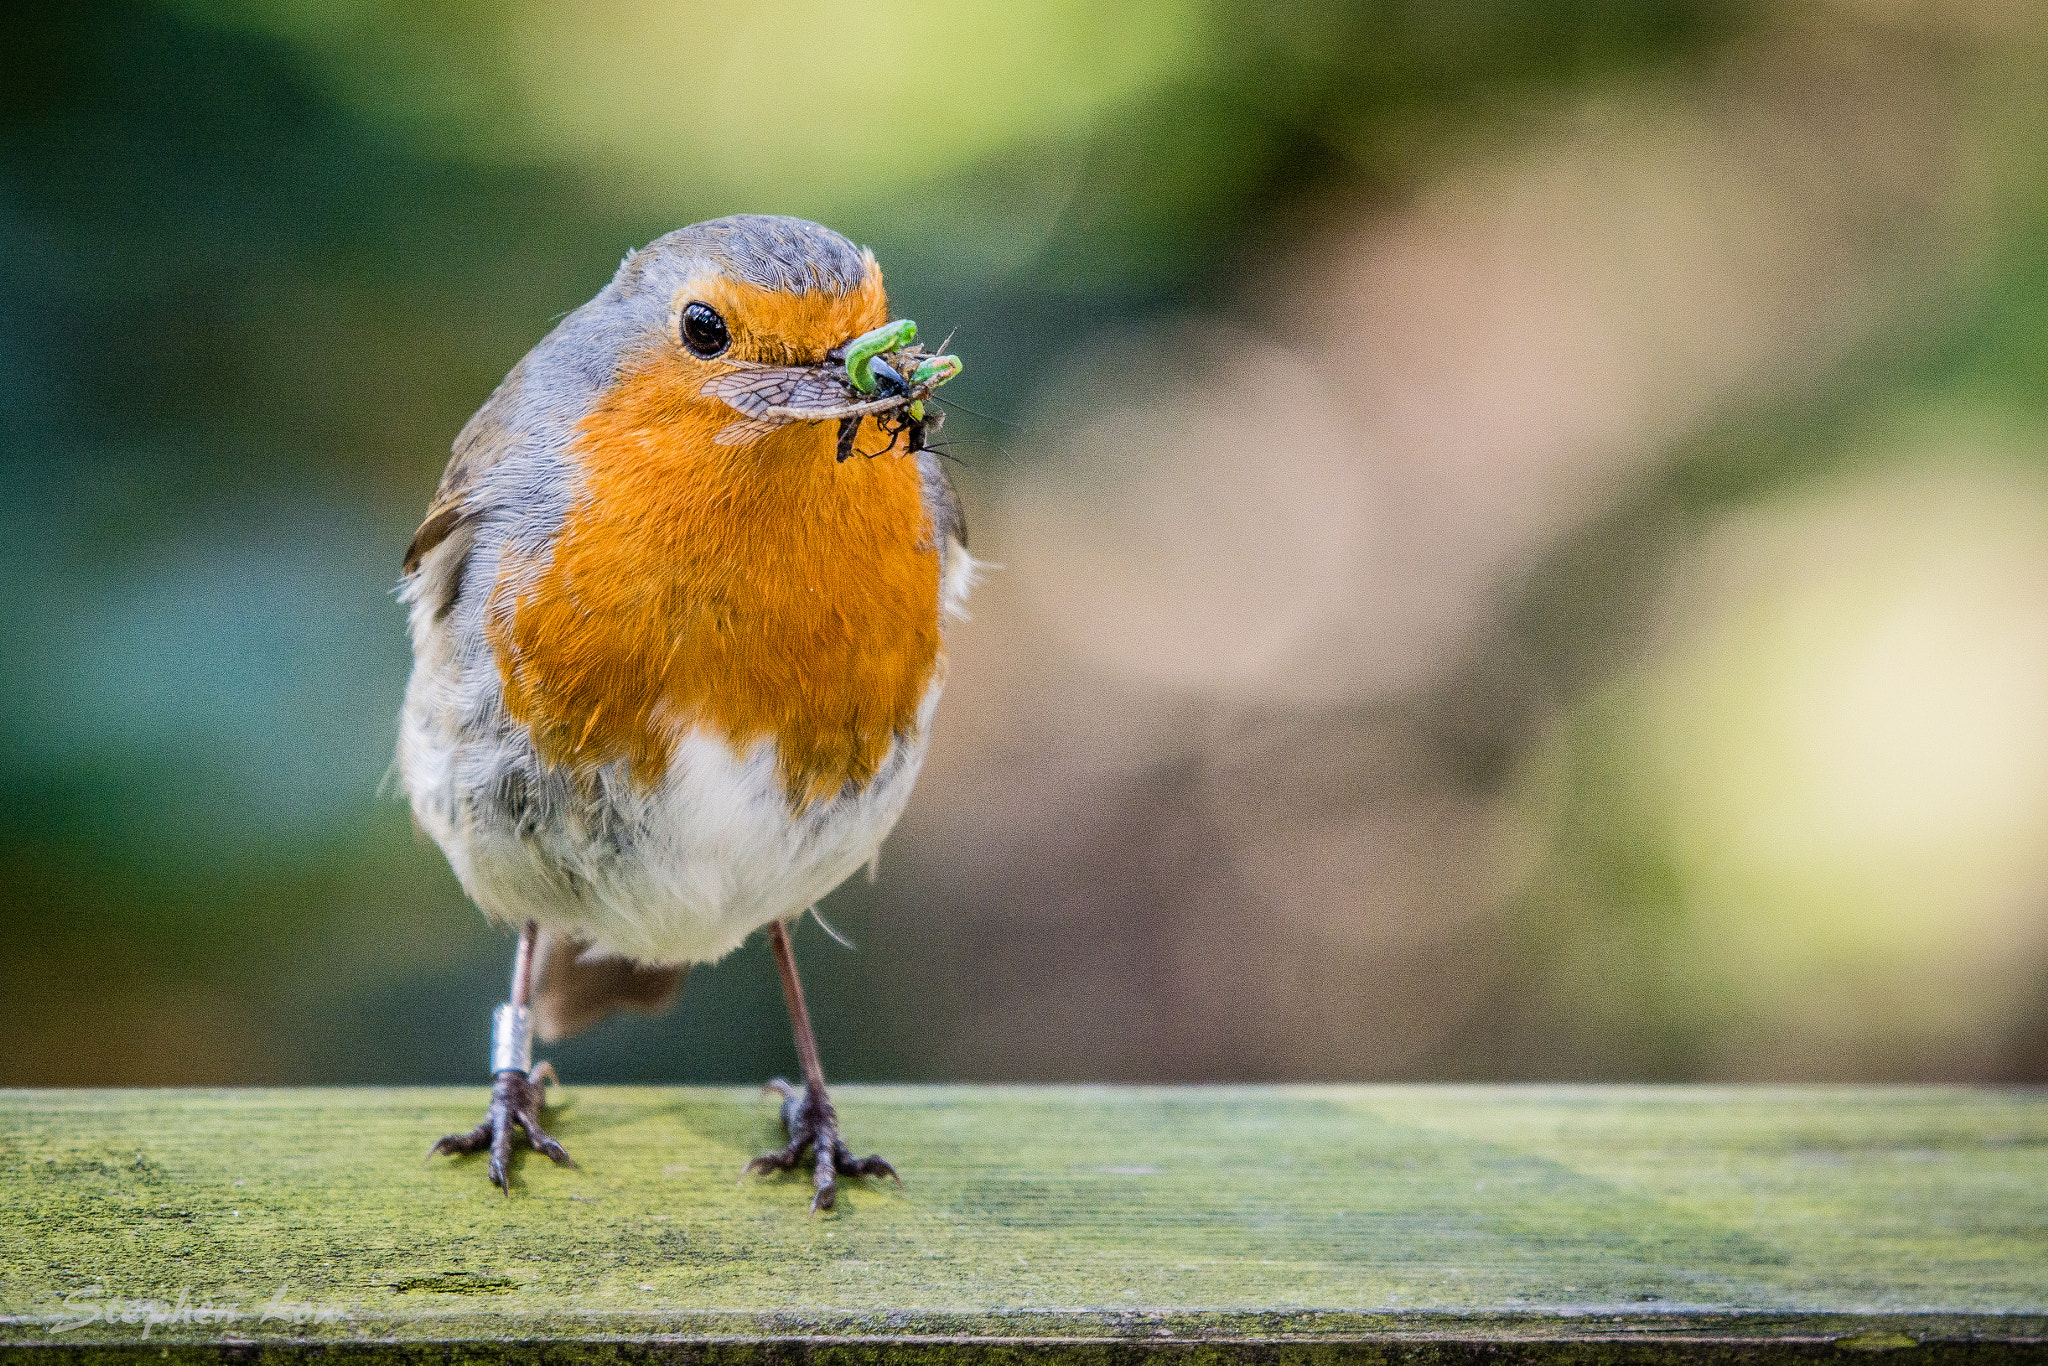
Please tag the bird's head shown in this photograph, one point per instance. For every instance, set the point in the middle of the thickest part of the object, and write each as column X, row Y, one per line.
column 742, row 326
column 759, row 290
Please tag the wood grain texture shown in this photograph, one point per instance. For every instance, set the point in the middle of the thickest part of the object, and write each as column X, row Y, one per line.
column 1417, row 1223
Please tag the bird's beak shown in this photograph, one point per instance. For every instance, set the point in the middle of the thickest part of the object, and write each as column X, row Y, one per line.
column 913, row 371
column 862, row 351
column 884, row 372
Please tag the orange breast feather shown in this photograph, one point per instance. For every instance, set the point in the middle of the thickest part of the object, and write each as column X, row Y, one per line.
column 761, row 591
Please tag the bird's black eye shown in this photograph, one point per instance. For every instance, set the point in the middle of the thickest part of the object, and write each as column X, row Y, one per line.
column 704, row 332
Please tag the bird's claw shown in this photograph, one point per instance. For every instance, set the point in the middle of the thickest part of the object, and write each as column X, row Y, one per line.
column 811, row 1125
column 516, row 1101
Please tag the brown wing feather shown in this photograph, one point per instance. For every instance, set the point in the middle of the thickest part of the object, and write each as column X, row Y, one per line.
column 482, row 443
column 949, row 520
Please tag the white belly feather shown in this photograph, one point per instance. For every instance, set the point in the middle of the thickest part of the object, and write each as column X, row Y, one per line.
column 684, row 872
column 679, row 873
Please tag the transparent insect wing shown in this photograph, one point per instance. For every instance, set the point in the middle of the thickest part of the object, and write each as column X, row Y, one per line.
column 767, row 397
column 754, row 391
column 821, row 388
column 741, row 433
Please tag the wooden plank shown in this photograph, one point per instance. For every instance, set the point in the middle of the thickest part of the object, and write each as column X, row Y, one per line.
column 1671, row 1223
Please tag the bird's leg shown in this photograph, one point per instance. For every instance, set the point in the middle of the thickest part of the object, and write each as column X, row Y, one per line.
column 518, row 1088
column 808, row 1119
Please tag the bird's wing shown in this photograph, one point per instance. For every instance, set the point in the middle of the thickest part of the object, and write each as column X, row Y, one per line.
column 484, row 440
column 942, row 505
column 949, row 533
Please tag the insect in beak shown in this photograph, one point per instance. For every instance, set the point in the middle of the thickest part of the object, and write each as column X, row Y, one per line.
column 871, row 375
column 878, row 374
column 888, row 383
column 862, row 351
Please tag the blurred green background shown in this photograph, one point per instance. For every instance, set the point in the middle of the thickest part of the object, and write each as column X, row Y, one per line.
column 1523, row 527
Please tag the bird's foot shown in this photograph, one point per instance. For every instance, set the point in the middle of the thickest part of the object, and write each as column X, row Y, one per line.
column 813, row 1126
column 516, row 1101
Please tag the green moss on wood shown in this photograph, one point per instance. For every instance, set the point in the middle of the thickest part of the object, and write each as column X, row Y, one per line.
column 1645, row 1224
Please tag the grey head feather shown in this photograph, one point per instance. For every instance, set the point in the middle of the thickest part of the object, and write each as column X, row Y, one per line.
column 767, row 250
column 583, row 355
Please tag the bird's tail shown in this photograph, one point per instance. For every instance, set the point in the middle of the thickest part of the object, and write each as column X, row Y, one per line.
column 574, row 989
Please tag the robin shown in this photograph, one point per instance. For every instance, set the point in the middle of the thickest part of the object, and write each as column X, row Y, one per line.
column 677, row 618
